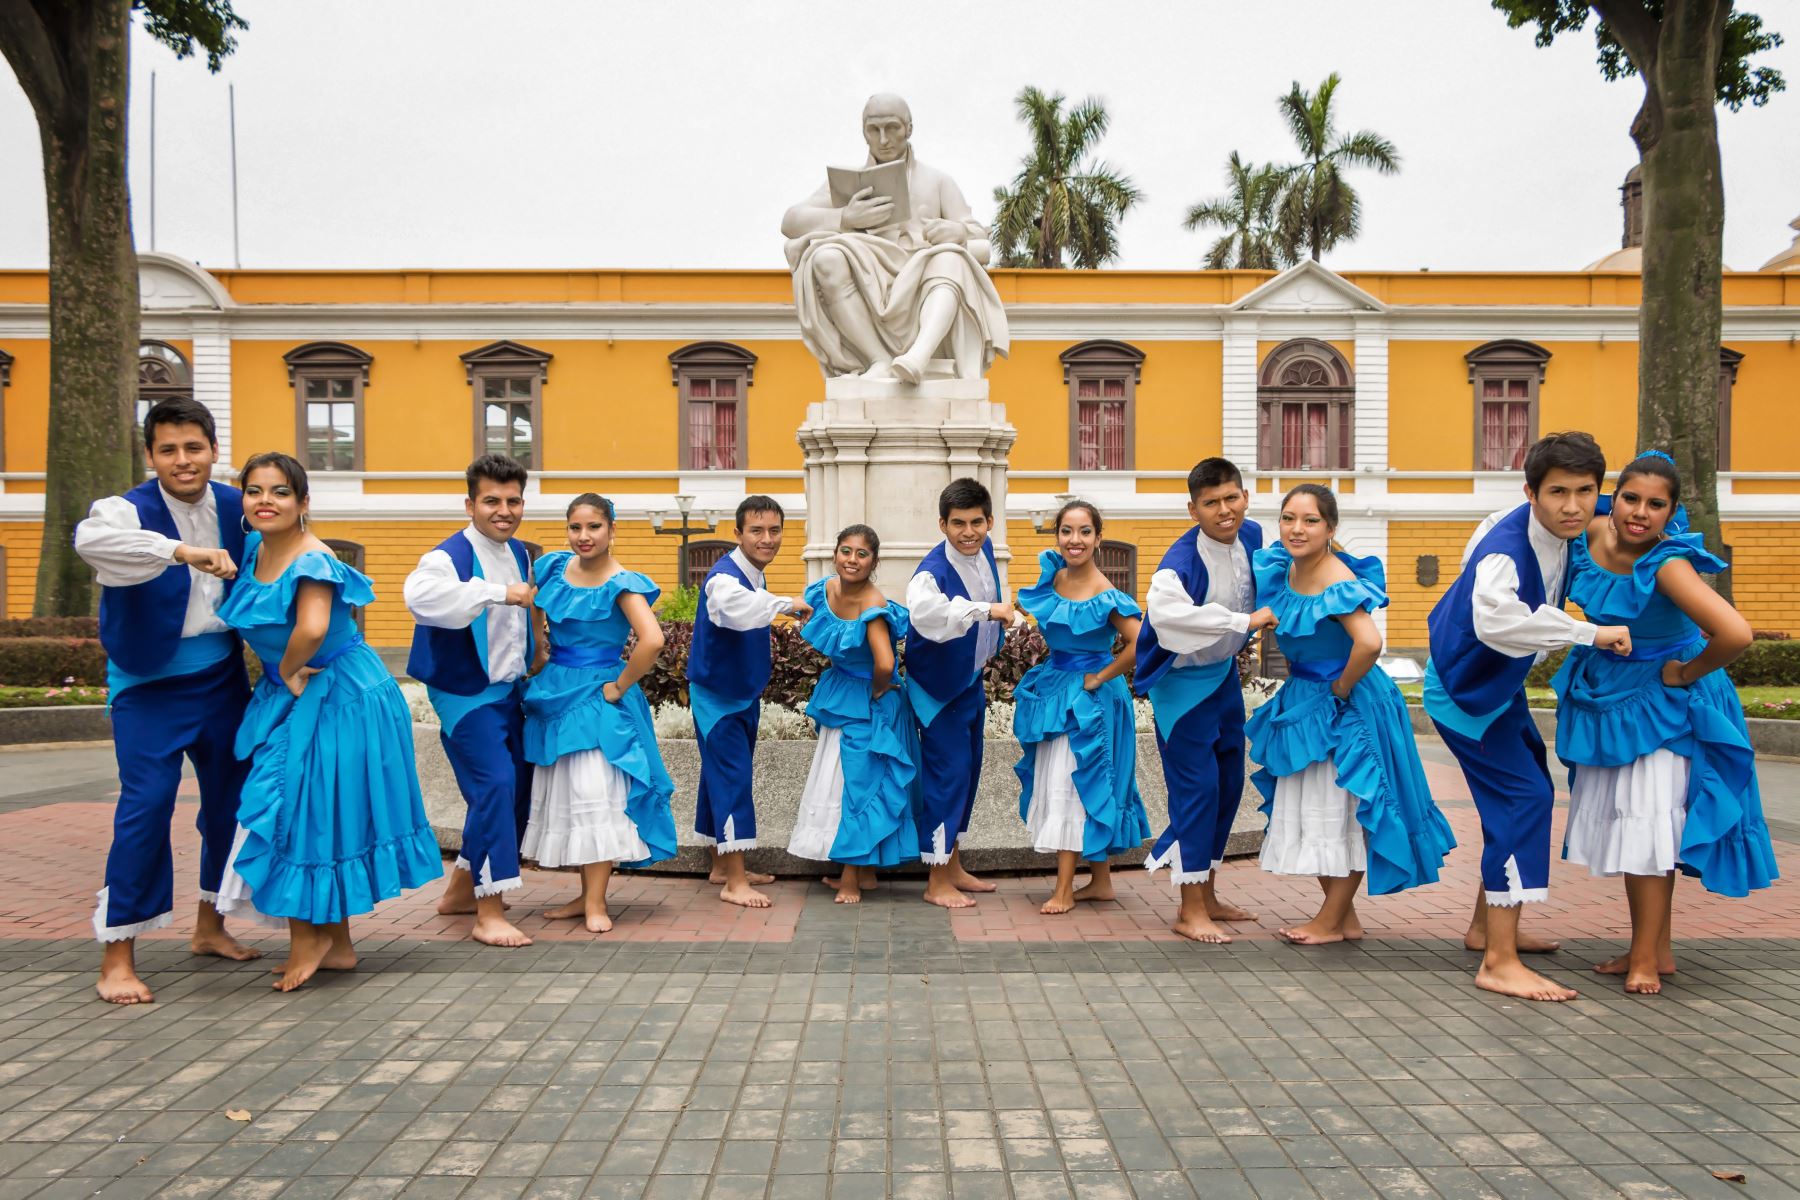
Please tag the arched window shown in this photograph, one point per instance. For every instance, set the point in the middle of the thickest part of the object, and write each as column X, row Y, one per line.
column 1729, row 360
column 163, row 373
column 712, row 383
column 1118, row 562
column 328, row 380
column 1506, row 376
column 1102, row 376
column 351, row 555
column 1305, row 409
column 508, row 382
column 702, row 557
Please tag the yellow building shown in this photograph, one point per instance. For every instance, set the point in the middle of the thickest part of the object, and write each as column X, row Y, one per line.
column 1412, row 393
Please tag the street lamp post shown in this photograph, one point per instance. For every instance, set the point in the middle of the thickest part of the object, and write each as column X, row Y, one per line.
column 658, row 521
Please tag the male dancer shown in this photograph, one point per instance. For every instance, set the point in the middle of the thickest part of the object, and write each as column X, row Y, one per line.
column 959, row 614
column 165, row 554
column 727, row 669
column 472, row 644
column 1505, row 611
column 1199, row 617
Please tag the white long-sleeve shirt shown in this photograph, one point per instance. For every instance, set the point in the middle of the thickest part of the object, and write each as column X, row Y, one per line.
column 1213, row 630
column 739, row 608
column 123, row 553
column 1506, row 623
column 436, row 597
column 941, row 618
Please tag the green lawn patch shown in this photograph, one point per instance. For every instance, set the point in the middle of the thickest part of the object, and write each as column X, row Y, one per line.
column 39, row 697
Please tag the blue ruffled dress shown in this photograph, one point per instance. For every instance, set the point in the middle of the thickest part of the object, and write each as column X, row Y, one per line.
column 600, row 792
column 1078, row 773
column 1660, row 777
column 330, row 822
column 857, row 808
column 1342, row 783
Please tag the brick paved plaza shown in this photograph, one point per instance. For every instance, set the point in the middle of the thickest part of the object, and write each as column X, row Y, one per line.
column 891, row 1048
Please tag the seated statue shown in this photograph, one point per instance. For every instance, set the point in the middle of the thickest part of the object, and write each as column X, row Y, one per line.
column 880, row 298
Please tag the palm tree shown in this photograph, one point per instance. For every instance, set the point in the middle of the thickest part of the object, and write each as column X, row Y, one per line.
column 1319, row 208
column 1062, row 203
column 1247, row 214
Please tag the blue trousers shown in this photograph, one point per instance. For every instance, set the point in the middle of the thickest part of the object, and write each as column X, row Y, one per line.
column 724, row 812
column 487, row 752
column 1203, row 766
column 950, row 773
column 156, row 725
column 1509, row 776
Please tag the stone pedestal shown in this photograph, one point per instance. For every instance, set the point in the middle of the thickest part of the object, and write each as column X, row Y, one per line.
column 879, row 452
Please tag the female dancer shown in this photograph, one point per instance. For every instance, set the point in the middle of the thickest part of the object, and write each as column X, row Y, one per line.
column 857, row 809
column 331, row 821
column 1073, row 715
column 1344, row 789
column 599, row 795
column 1664, row 776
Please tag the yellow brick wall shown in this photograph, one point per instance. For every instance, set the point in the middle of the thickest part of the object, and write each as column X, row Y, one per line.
column 1763, row 554
column 1410, row 604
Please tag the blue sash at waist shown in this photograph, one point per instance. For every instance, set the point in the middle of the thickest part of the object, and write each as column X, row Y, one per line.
column 272, row 670
column 852, row 672
column 1652, row 650
column 1080, row 662
column 586, row 656
column 1317, row 670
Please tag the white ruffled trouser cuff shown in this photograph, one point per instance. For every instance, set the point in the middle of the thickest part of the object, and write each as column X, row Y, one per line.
column 120, row 933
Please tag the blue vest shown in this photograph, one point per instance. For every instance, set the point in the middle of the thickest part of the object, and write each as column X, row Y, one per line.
column 942, row 668
column 1184, row 559
column 1478, row 678
column 140, row 625
column 731, row 662
column 451, row 660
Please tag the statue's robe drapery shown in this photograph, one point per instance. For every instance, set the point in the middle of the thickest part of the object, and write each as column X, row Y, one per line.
column 893, row 267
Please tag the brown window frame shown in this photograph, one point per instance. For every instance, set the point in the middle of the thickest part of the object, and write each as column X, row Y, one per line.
column 508, row 360
column 713, row 360
column 1338, row 393
column 1128, row 570
column 695, row 574
column 1506, row 359
column 357, row 558
column 328, row 361
column 149, row 394
column 1103, row 360
column 1729, row 362
column 6, row 362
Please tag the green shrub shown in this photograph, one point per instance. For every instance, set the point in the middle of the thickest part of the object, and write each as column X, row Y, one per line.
column 56, row 627
column 1540, row 675
column 679, row 604
column 52, row 662
column 1768, row 663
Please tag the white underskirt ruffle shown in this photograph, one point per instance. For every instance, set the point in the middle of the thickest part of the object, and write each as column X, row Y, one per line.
column 822, row 800
column 1313, row 828
column 1056, row 819
column 578, row 814
column 1628, row 820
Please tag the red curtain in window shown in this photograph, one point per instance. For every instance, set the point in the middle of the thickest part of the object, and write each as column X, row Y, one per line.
column 725, row 438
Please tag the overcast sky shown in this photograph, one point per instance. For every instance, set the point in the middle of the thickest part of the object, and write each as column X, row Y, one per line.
column 439, row 133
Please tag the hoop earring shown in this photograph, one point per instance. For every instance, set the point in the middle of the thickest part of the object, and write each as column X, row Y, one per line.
column 244, row 524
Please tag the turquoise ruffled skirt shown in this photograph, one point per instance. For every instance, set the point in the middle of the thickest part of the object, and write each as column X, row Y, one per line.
column 1612, row 711
column 1369, row 743
column 567, row 713
column 1102, row 730
column 878, row 754
column 330, row 822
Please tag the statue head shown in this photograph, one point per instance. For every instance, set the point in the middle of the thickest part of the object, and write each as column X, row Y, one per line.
column 887, row 126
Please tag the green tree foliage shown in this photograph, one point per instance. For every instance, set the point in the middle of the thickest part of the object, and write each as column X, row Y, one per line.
column 1319, row 208
column 1246, row 213
column 1064, row 207
column 1692, row 56
column 72, row 60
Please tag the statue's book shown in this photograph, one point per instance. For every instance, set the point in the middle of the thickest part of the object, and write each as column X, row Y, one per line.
column 888, row 179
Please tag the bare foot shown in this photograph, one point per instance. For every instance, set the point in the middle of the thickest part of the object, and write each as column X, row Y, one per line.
column 498, row 931
column 1059, row 902
column 307, row 947
column 1517, row 979
column 1097, row 889
column 1353, row 930
column 865, row 878
column 962, row 881
column 945, row 896
column 222, row 945
column 1201, row 929
column 458, row 899
column 119, row 983
column 337, row 958
column 1622, row 965
column 574, row 910
column 851, row 892
column 599, row 920
column 1314, row 933
column 1220, row 910
column 756, row 878
column 744, row 896
column 1644, row 982
column 1527, row 943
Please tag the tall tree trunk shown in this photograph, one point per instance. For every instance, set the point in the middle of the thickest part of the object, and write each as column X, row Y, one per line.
column 1677, row 133
column 93, row 294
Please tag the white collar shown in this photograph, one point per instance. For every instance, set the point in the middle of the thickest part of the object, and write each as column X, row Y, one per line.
column 189, row 506
column 952, row 554
column 1543, row 541
column 479, row 540
column 1203, row 542
column 751, row 571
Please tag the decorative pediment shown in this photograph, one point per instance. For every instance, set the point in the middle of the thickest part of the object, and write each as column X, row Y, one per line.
column 167, row 283
column 1308, row 287
column 328, row 354
column 700, row 357
column 1104, row 353
column 1508, row 354
column 506, row 355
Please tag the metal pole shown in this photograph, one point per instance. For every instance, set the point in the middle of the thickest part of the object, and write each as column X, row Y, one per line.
column 231, row 97
column 682, row 561
column 153, row 160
